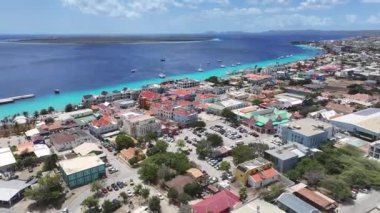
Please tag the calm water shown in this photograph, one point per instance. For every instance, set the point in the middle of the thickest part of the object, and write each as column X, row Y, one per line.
column 78, row 69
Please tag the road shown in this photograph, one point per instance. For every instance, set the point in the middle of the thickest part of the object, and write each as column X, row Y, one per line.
column 362, row 204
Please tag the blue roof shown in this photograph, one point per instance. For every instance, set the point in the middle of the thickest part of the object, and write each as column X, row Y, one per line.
column 294, row 203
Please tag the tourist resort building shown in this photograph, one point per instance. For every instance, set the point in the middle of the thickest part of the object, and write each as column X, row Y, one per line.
column 266, row 120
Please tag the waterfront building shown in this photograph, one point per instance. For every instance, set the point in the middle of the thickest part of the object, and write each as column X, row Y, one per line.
column 146, row 99
column 184, row 116
column 186, row 83
column 308, row 132
column 138, row 125
column 103, row 125
column 82, row 170
column 89, row 100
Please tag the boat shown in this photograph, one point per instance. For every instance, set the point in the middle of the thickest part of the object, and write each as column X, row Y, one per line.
column 219, row 60
column 133, row 70
column 56, row 91
column 238, row 63
column 233, row 65
column 162, row 75
column 223, row 66
column 200, row 69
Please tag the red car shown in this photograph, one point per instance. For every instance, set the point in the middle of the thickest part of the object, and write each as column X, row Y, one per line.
column 104, row 190
column 110, row 149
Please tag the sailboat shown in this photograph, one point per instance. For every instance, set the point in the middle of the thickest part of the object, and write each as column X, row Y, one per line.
column 200, row 69
column 162, row 74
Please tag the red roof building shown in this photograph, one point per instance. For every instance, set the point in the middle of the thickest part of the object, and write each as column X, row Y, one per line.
column 263, row 178
column 221, row 202
column 147, row 98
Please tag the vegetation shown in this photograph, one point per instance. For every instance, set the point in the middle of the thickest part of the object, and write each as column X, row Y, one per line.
column 357, row 88
column 111, row 206
column 123, row 141
column 243, row 193
column 160, row 147
column 225, row 166
column 242, row 153
column 272, row 192
column 184, row 198
column 198, row 124
column 257, row 102
column 204, row 147
column 50, row 162
column 124, row 196
column 172, row 195
column 215, row 140
column 193, row 189
column 69, row 108
column 47, row 191
column 175, row 161
column 154, row 204
column 337, row 170
column 90, row 202
column 145, row 193
column 230, row 116
column 96, row 186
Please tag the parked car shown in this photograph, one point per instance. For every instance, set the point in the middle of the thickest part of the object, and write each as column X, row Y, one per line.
column 131, row 182
column 104, row 190
column 120, row 184
column 129, row 193
column 114, row 186
column 159, row 195
column 109, row 188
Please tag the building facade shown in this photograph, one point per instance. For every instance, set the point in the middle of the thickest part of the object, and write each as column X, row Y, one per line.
column 137, row 125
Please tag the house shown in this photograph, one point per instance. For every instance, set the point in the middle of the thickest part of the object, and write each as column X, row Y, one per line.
column 138, row 125
column 87, row 148
column 308, row 132
column 204, row 98
column 7, row 160
column 364, row 123
column 245, row 170
column 258, row 206
column 263, row 178
column 184, row 116
column 146, row 98
column 221, row 202
column 195, row 173
column 267, row 120
column 178, row 183
column 340, row 108
column 130, row 153
column 82, row 170
column 12, row 191
column 103, row 125
column 257, row 79
column 39, row 150
column 292, row 204
column 69, row 139
column 286, row 157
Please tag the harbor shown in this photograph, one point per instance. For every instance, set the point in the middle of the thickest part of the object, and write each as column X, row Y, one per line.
column 15, row 98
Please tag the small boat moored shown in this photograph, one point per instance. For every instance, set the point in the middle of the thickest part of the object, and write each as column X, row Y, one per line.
column 161, row 75
column 56, row 91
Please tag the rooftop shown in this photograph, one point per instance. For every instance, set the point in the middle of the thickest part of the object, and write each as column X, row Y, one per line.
column 86, row 148
column 179, row 182
column 230, row 102
column 220, row 202
column 252, row 164
column 78, row 164
column 8, row 189
column 6, row 157
column 368, row 119
column 258, row 206
column 308, row 126
column 296, row 204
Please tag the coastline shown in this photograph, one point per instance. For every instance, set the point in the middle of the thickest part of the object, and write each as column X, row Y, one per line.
column 59, row 101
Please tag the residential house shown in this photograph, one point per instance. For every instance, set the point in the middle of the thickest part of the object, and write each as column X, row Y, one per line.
column 221, row 202
column 263, row 178
column 147, row 98
column 7, row 160
column 292, row 204
column 105, row 124
column 245, row 170
column 69, row 139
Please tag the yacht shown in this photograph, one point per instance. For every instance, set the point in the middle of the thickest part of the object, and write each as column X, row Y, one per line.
column 162, row 75
column 238, row 63
column 56, row 91
column 233, row 65
column 133, row 70
column 222, row 66
column 200, row 69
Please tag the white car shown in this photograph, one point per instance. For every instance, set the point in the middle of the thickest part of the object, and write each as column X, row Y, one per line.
column 129, row 193
column 159, row 195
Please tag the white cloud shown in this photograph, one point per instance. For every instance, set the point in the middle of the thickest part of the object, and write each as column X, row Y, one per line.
column 371, row 1
column 133, row 8
column 317, row 4
column 268, row 2
column 374, row 19
column 351, row 18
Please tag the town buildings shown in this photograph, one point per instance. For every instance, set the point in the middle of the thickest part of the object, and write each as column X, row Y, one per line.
column 250, row 173
column 103, row 125
column 308, row 132
column 69, row 139
column 138, row 125
column 221, row 202
column 267, row 120
column 82, row 170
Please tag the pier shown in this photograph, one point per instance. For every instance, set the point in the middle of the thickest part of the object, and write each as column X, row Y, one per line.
column 15, row 98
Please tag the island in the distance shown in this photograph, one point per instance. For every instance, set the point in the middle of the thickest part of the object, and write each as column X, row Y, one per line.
column 114, row 39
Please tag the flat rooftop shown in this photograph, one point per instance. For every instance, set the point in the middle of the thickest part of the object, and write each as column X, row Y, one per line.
column 308, row 126
column 368, row 119
column 78, row 164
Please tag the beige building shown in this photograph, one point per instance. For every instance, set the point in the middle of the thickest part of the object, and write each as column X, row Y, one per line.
column 138, row 125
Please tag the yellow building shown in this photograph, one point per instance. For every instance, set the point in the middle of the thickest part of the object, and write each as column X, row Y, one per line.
column 248, row 168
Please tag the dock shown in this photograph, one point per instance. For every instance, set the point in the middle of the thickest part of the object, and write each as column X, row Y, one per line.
column 15, row 98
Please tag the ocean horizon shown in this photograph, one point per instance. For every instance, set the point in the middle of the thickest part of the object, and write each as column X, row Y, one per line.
column 78, row 82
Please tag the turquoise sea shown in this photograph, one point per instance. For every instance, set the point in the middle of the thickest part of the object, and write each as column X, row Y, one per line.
column 74, row 97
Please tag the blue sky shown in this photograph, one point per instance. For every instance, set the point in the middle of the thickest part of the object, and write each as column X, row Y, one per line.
column 184, row 16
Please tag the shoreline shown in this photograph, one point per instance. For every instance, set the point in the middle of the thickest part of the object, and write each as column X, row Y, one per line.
column 75, row 97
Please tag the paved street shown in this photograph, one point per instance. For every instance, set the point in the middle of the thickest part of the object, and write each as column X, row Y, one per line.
column 362, row 204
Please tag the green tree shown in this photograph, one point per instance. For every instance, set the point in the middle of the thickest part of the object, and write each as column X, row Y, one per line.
column 172, row 194
column 69, row 108
column 47, row 191
column 145, row 193
column 229, row 115
column 148, row 171
column 111, row 206
column 51, row 109
column 184, row 198
column 124, row 196
column 215, row 140
column 138, row 189
column 154, row 204
column 90, row 202
column 50, row 162
column 243, row 193
column 193, row 189
column 272, row 192
column 123, row 141
column 242, row 153
column 225, row 166
column 257, row 102
column 180, row 143
column 198, row 124
column 36, row 114
column 160, row 147
column 338, row 188
column 96, row 186
column 44, row 112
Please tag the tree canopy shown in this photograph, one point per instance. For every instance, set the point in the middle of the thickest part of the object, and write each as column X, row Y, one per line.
column 47, row 191
column 225, row 166
column 154, row 204
column 160, row 147
column 215, row 140
column 193, row 189
column 123, row 141
column 242, row 153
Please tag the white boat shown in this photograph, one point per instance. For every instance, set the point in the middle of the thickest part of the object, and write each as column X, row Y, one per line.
column 233, row 65
column 238, row 63
column 162, row 75
column 200, row 69
column 223, row 66
column 133, row 70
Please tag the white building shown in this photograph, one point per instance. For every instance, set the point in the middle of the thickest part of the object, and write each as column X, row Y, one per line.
column 7, row 160
column 138, row 125
column 365, row 123
column 103, row 125
column 69, row 139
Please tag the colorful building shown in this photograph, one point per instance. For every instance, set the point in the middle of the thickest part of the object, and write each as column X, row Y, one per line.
column 245, row 170
column 267, row 120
